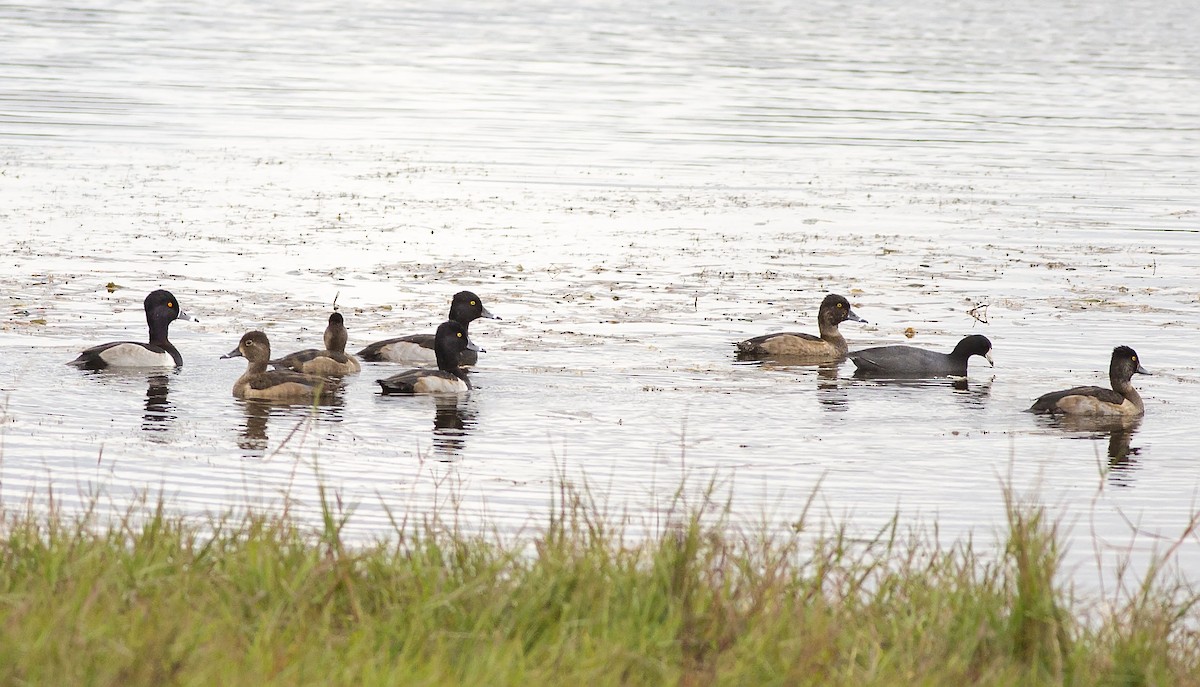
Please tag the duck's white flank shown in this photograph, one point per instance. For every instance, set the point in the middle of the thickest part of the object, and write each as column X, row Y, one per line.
column 135, row 355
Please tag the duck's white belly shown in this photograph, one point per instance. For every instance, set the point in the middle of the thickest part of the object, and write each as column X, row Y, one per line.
column 408, row 352
column 439, row 385
column 134, row 355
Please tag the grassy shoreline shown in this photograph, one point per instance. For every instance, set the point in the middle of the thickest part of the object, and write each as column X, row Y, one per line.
column 253, row 599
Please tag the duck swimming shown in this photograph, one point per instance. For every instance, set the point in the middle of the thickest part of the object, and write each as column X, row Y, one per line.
column 418, row 349
column 274, row 385
column 830, row 345
column 449, row 341
column 162, row 308
column 1121, row 400
column 331, row 361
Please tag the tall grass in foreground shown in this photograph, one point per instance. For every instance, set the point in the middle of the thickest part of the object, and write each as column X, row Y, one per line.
column 255, row 600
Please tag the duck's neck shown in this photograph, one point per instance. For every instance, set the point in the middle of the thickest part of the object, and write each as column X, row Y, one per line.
column 254, row 367
column 829, row 332
column 335, row 340
column 447, row 361
column 1125, row 388
column 158, row 333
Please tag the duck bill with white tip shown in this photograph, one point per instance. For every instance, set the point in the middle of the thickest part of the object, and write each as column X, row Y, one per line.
column 1142, row 371
column 988, row 357
column 235, row 353
column 484, row 312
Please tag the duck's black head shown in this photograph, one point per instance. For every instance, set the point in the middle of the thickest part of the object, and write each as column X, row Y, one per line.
column 1125, row 364
column 450, row 340
column 466, row 307
column 161, row 310
column 835, row 309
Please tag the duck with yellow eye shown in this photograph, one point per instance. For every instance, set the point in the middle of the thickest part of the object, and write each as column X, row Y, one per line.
column 1122, row 400
column 829, row 346
column 449, row 378
column 275, row 385
column 161, row 310
column 418, row 349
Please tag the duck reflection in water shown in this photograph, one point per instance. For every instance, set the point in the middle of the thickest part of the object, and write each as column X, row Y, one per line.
column 253, row 437
column 1119, row 431
column 453, row 420
column 830, row 393
column 254, row 429
column 158, row 415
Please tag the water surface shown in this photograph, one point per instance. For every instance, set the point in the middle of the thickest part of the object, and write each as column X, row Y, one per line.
column 632, row 188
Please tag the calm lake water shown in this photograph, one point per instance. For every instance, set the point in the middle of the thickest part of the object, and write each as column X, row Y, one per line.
column 632, row 187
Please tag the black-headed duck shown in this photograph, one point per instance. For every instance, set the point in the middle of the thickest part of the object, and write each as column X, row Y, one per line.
column 331, row 361
column 910, row 361
column 274, row 385
column 418, row 349
column 830, row 345
column 161, row 310
column 449, row 342
column 1121, row 400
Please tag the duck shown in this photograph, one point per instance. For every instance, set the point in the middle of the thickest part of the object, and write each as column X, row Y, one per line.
column 162, row 308
column 274, row 385
column 331, row 361
column 910, row 361
column 829, row 346
column 1121, row 400
column 418, row 349
column 449, row 342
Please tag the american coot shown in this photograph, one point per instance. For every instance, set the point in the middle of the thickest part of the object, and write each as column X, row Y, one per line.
column 909, row 361
column 829, row 346
column 417, row 349
column 330, row 361
column 1122, row 399
column 275, row 385
column 449, row 341
column 161, row 310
